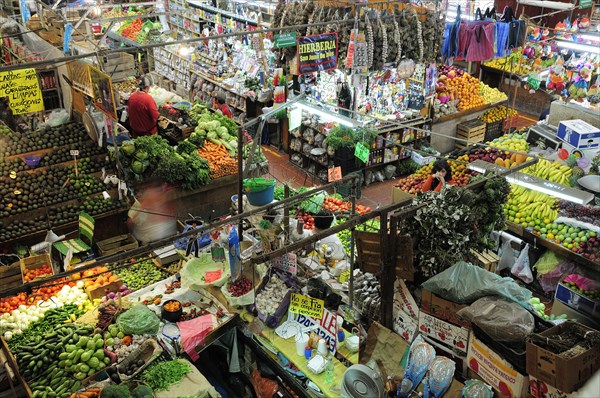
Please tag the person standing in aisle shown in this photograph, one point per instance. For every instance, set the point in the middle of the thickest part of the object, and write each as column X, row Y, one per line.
column 143, row 114
column 441, row 174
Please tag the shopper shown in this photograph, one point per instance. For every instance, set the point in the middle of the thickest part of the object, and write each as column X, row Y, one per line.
column 441, row 174
column 220, row 105
column 152, row 218
column 143, row 114
column 323, row 221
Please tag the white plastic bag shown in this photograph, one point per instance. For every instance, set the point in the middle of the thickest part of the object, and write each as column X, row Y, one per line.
column 508, row 257
column 521, row 269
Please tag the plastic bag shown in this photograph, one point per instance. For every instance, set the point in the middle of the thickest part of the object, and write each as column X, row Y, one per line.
column 389, row 171
column 547, row 262
column 549, row 280
column 194, row 332
column 263, row 387
column 501, row 319
column 508, row 257
column 58, row 117
column 476, row 389
column 138, row 320
column 464, row 283
column 521, row 268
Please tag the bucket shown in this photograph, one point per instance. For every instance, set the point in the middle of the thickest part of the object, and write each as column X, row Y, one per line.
column 262, row 197
column 32, row 160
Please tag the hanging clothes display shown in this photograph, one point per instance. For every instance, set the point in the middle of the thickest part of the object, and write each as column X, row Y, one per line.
column 450, row 46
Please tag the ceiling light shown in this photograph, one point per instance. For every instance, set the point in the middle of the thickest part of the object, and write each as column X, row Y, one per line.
column 327, row 116
column 578, row 46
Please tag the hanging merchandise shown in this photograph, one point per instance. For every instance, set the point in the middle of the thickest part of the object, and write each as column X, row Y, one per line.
column 451, row 37
column 516, row 29
column 235, row 262
column 534, row 79
column 480, row 38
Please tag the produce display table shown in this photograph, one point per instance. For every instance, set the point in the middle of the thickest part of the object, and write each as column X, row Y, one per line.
column 444, row 128
column 288, row 349
column 202, row 201
column 194, row 384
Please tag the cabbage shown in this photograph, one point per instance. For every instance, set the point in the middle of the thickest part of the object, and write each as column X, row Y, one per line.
column 137, row 167
column 222, row 130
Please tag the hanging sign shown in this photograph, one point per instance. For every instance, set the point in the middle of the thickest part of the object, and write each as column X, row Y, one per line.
column 305, row 305
column 317, row 53
column 285, row 40
column 104, row 98
column 361, row 152
column 295, row 118
column 22, row 88
column 334, row 174
column 585, row 4
column 287, row 263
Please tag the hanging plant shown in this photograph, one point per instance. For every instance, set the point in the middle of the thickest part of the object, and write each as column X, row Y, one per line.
column 454, row 221
column 340, row 137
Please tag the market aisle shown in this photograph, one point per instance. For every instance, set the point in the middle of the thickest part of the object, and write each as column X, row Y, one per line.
column 280, row 168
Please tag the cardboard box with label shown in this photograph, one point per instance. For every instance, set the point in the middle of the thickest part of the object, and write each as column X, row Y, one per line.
column 577, row 301
column 442, row 308
column 455, row 337
column 539, row 389
column 566, row 373
column 578, row 133
column 496, row 371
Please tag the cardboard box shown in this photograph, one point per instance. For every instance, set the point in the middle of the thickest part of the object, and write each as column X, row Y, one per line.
column 564, row 374
column 422, row 160
column 455, row 337
column 102, row 291
column 578, row 133
column 539, row 389
column 442, row 308
column 577, row 301
column 496, row 371
column 399, row 195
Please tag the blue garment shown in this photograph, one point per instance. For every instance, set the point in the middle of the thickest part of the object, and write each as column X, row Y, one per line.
column 450, row 46
column 502, row 30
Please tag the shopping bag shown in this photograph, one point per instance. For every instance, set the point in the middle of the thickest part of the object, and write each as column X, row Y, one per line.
column 521, row 269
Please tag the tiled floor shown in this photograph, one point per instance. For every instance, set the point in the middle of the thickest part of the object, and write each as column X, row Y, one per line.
column 376, row 194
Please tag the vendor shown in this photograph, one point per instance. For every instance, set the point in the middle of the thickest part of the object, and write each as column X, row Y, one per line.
column 143, row 114
column 220, row 105
column 323, row 221
column 441, row 174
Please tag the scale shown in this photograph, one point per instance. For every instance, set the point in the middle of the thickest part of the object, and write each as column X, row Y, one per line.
column 171, row 332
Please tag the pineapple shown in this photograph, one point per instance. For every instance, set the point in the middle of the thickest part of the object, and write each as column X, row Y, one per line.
column 571, row 161
column 577, row 172
column 595, row 167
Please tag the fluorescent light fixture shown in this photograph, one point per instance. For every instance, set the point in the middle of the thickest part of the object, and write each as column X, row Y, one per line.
column 535, row 183
column 547, row 190
column 327, row 116
column 578, row 46
column 589, row 37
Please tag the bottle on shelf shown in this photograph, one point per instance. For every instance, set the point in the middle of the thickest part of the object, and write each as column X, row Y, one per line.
column 329, row 369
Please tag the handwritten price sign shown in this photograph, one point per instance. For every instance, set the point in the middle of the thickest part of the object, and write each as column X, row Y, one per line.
column 308, row 306
column 22, row 88
column 361, row 152
column 334, row 174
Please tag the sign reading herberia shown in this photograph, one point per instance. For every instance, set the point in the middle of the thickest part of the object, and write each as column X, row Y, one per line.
column 23, row 91
column 317, row 53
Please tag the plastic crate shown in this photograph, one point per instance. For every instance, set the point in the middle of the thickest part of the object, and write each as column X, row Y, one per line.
column 493, row 130
column 346, row 189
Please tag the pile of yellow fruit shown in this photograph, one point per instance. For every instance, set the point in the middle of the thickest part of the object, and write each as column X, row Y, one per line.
column 466, row 88
column 530, row 208
column 551, row 171
column 498, row 113
column 511, row 63
column 513, row 142
column 490, row 94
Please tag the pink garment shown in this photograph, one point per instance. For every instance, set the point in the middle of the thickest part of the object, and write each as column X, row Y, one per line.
column 193, row 333
column 481, row 41
column 463, row 41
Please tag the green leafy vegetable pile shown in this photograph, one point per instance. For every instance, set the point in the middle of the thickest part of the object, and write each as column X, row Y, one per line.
column 162, row 375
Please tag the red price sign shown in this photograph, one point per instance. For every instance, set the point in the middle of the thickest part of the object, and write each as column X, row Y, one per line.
column 334, row 174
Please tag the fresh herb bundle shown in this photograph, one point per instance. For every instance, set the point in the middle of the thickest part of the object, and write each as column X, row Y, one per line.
column 162, row 375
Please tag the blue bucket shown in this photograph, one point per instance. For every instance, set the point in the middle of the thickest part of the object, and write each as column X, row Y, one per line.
column 261, row 198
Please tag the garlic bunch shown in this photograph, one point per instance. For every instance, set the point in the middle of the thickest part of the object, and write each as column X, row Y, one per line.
column 269, row 299
column 370, row 42
column 384, row 45
column 366, row 297
column 420, row 37
column 398, row 41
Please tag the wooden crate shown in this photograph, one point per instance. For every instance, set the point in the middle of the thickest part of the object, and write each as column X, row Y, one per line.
column 34, row 262
column 487, row 258
column 119, row 62
column 117, row 244
column 10, row 275
column 101, row 291
column 471, row 130
column 368, row 246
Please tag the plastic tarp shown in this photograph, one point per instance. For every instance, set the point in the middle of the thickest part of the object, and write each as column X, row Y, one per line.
column 464, row 283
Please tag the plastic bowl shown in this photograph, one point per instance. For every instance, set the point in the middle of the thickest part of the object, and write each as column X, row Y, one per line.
column 32, row 160
column 261, row 198
column 171, row 316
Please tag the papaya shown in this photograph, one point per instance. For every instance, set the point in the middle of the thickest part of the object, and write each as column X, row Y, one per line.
column 500, row 162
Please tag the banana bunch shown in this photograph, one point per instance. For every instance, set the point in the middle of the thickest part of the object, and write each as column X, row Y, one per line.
column 530, row 208
column 551, row 171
